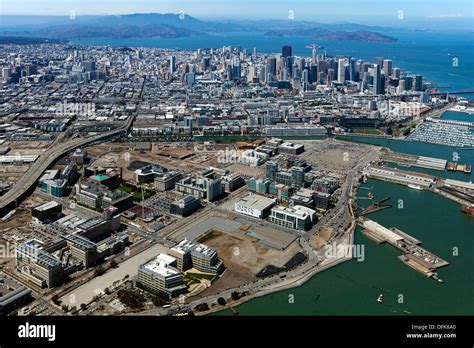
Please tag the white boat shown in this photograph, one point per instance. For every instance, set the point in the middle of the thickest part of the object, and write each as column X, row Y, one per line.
column 415, row 187
column 380, row 298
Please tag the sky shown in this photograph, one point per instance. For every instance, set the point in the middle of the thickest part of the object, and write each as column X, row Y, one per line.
column 314, row 10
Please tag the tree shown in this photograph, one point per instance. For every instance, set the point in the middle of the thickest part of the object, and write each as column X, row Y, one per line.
column 202, row 307
column 234, row 296
column 221, row 301
column 130, row 298
column 160, row 299
column 389, row 131
column 83, row 306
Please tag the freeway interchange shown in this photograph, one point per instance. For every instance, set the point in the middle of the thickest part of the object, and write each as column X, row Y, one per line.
column 27, row 183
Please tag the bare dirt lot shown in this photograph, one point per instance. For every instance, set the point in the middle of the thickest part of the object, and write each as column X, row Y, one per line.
column 246, row 255
column 319, row 239
column 185, row 157
column 231, row 278
column 333, row 155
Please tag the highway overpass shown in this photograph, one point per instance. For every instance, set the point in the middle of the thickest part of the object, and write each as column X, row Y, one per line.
column 27, row 183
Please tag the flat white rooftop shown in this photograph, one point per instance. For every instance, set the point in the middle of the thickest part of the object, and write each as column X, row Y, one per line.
column 256, row 202
column 161, row 265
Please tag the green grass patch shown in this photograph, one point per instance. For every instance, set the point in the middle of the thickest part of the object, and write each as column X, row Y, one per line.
column 367, row 131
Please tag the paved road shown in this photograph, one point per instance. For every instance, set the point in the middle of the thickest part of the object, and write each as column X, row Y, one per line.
column 28, row 181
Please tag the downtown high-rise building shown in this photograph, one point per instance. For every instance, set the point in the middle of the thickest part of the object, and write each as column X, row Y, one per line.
column 387, row 67
column 286, row 51
column 341, row 70
column 272, row 62
column 172, row 64
column 377, row 75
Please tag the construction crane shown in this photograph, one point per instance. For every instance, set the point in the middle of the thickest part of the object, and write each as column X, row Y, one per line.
column 314, row 49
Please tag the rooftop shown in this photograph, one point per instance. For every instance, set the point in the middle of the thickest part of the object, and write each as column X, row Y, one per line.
column 256, row 202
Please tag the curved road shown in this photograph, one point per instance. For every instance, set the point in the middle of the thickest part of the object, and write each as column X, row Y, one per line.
column 27, row 182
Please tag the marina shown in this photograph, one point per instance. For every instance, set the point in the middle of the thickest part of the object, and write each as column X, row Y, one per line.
column 444, row 132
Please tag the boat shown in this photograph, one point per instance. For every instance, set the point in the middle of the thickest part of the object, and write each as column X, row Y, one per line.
column 452, row 166
column 467, row 168
column 438, row 279
column 415, row 187
column 406, row 165
column 370, row 195
column 380, row 298
column 468, row 210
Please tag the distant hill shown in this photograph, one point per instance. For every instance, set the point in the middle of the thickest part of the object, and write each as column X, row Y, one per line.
column 20, row 40
column 169, row 25
column 116, row 31
column 325, row 34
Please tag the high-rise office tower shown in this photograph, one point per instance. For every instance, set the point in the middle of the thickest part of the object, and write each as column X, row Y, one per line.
column 341, row 70
column 408, row 83
column 418, row 83
column 172, row 64
column 396, row 73
column 286, row 51
column 379, row 61
column 401, row 86
column 377, row 74
column 387, row 67
column 322, row 68
column 352, row 70
column 313, row 73
column 331, row 75
column 272, row 61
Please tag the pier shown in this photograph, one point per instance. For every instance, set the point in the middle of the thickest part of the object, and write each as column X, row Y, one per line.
column 413, row 256
column 376, row 206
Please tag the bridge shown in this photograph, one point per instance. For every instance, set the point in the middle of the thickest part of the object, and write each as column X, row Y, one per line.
column 27, row 183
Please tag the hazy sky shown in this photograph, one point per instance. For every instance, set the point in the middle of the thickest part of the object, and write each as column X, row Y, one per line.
column 316, row 10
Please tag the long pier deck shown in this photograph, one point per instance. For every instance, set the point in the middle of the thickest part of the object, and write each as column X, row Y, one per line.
column 414, row 255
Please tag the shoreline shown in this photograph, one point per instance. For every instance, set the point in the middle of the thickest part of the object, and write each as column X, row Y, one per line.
column 296, row 281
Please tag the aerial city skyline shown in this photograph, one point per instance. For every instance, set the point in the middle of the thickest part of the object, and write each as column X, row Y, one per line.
column 160, row 163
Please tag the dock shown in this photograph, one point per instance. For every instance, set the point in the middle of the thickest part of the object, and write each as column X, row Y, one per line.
column 376, row 206
column 375, row 237
column 405, row 160
column 413, row 256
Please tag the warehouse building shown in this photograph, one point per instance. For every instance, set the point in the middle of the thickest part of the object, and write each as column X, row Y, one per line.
column 14, row 299
column 254, row 206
